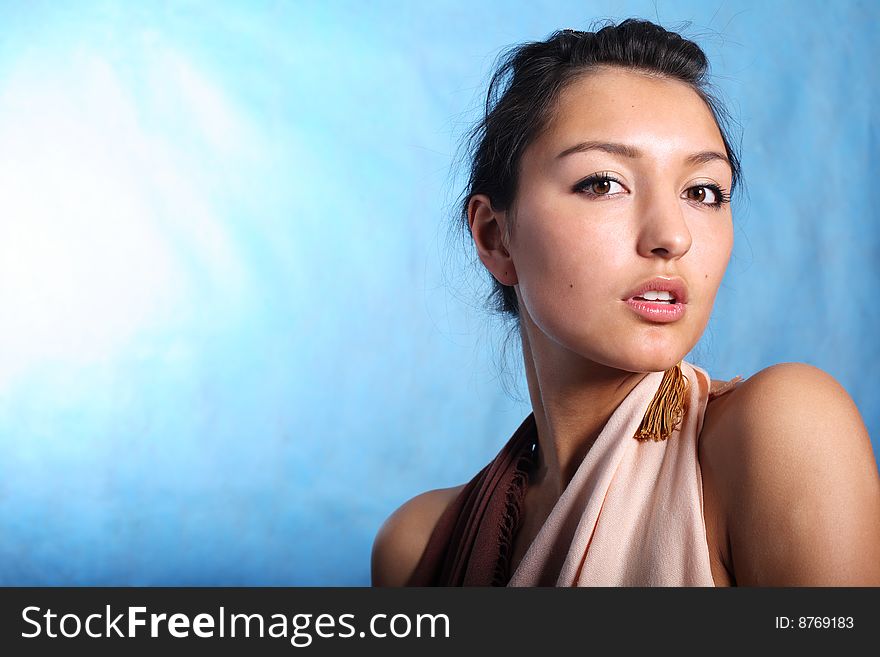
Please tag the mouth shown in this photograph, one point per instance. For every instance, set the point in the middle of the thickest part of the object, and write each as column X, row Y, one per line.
column 671, row 300
column 659, row 299
column 657, row 310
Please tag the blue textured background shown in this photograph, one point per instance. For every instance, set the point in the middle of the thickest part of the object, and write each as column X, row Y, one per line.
column 234, row 334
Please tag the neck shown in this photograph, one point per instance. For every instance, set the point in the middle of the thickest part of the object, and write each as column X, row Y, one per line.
column 572, row 400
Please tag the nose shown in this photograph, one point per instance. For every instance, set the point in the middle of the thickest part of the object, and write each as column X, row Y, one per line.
column 663, row 230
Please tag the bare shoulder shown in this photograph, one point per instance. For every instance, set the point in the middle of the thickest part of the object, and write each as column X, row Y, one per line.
column 779, row 398
column 402, row 538
column 777, row 392
column 797, row 479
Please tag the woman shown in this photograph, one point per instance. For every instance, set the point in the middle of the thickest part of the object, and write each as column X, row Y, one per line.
column 599, row 203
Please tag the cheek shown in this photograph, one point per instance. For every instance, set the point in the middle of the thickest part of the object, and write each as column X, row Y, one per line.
column 710, row 256
column 566, row 268
column 716, row 244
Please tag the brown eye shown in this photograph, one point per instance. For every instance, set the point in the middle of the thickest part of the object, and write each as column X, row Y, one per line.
column 699, row 194
column 597, row 185
column 601, row 187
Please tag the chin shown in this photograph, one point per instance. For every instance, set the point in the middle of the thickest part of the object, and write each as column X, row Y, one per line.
column 646, row 358
column 622, row 346
column 648, row 364
column 656, row 350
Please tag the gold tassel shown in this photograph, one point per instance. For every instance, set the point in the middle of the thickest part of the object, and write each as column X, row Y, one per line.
column 668, row 407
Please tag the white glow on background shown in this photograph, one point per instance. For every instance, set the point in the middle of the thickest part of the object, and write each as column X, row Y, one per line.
column 107, row 215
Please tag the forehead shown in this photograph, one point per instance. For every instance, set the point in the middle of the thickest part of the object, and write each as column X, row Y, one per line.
column 660, row 116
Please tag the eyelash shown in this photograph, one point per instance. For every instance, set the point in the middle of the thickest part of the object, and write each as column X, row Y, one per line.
column 583, row 186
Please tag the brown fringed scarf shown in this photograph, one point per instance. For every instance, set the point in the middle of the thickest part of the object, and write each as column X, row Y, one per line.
column 472, row 541
column 471, row 544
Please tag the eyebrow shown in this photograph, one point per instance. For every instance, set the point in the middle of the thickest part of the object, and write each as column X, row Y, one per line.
column 630, row 151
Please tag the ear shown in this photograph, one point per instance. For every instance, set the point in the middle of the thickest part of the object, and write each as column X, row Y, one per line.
column 488, row 228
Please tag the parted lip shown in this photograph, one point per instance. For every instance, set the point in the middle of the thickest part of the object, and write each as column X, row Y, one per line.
column 673, row 284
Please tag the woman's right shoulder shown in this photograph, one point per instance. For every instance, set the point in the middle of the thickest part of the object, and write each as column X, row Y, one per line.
column 404, row 535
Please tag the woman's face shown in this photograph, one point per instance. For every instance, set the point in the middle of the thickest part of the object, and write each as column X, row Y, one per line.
column 578, row 251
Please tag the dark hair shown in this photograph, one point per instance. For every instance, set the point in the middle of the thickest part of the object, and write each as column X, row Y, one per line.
column 526, row 85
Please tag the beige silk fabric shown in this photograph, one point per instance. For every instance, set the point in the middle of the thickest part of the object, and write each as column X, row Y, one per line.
column 632, row 515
